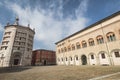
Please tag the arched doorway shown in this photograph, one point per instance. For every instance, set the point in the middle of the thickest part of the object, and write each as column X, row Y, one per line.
column 16, row 59
column 84, row 60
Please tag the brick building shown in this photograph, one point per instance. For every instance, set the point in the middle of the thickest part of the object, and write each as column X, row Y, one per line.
column 43, row 57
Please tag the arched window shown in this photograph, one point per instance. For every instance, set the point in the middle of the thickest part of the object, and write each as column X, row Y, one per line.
column 58, row 59
column 103, row 55
column 61, row 59
column 100, row 39
column 73, row 47
column 117, row 54
column 92, row 56
column 69, row 48
column 78, row 45
column 65, row 49
column 91, row 42
column 76, row 58
column 70, row 58
column 66, row 59
column 62, row 50
column 84, row 44
column 110, row 36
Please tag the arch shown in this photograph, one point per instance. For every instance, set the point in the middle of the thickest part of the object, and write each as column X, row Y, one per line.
column 92, row 59
column 69, row 48
column 61, row 60
column 91, row 42
column 71, row 60
column 73, row 47
column 115, row 56
column 92, row 54
column 62, row 50
column 110, row 36
column 84, row 59
column 16, row 58
column 76, row 57
column 114, row 50
column 103, row 58
column 100, row 39
column 76, row 60
column 102, row 52
column 65, row 49
column 84, row 44
column 78, row 45
column 66, row 61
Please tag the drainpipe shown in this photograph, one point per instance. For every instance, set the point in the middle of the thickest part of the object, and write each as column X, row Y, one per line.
column 109, row 55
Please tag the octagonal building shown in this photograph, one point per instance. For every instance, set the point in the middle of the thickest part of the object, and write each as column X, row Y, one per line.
column 16, row 45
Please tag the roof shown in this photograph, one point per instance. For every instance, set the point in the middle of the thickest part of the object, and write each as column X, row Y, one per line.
column 43, row 50
column 16, row 24
column 92, row 25
column 20, row 26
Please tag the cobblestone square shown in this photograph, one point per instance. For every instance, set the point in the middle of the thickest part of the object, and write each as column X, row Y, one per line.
column 58, row 72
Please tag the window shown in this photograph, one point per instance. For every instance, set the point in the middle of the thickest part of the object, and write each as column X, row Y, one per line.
column 71, row 58
column 63, row 43
column 62, row 50
column 58, row 59
column 76, row 57
column 91, row 42
column 103, row 56
column 111, row 36
column 3, row 47
column 7, row 33
column 5, row 42
column 69, row 48
column 66, row 58
column 78, row 45
column 92, row 56
column 18, row 48
column 117, row 54
column 100, row 39
column 73, row 47
column 62, row 59
column 19, row 43
column 65, row 49
column 84, row 44
column 5, row 38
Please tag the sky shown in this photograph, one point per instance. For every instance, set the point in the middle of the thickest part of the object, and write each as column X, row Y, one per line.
column 54, row 20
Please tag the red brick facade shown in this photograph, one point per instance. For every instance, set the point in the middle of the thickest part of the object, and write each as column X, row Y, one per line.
column 43, row 57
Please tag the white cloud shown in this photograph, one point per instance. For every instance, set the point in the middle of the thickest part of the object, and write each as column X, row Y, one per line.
column 49, row 29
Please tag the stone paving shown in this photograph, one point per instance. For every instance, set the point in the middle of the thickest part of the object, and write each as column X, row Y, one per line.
column 59, row 73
